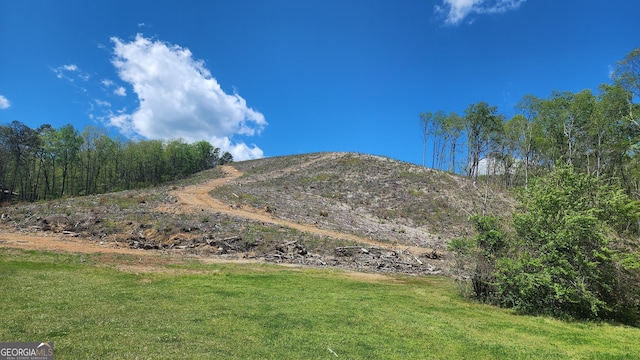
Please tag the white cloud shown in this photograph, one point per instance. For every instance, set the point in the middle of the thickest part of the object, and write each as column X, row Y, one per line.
column 70, row 72
column 122, row 121
column 70, row 67
column 107, row 82
column 458, row 10
column 102, row 103
column 120, row 91
column 178, row 98
column 4, row 103
column 240, row 151
column 58, row 72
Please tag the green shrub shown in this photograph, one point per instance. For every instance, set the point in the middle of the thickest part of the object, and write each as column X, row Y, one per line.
column 571, row 254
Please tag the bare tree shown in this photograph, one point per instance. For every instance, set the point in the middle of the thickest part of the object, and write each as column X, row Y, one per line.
column 425, row 122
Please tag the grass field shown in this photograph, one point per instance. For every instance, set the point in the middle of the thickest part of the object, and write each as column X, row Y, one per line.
column 126, row 307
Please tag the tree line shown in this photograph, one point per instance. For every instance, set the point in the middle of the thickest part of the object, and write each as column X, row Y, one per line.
column 594, row 132
column 47, row 163
column 572, row 247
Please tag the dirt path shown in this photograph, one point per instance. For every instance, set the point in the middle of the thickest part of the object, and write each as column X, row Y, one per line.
column 57, row 242
column 143, row 262
column 195, row 198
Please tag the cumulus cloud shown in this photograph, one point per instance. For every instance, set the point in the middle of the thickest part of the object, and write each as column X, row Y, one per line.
column 4, row 103
column 457, row 10
column 240, row 151
column 120, row 91
column 178, row 98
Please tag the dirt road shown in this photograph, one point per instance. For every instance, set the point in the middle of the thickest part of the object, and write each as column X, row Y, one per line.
column 196, row 197
column 57, row 242
column 192, row 198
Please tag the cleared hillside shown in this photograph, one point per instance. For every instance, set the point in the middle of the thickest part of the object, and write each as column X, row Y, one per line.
column 326, row 209
column 370, row 196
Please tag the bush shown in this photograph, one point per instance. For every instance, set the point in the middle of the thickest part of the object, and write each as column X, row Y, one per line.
column 572, row 254
column 477, row 256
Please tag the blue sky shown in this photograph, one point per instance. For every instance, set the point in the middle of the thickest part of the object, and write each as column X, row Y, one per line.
column 278, row 77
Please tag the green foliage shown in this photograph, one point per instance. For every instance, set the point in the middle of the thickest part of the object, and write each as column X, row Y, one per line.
column 627, row 72
column 567, row 241
column 596, row 132
column 490, row 240
column 477, row 256
column 226, row 158
column 570, row 255
column 445, row 131
column 20, row 145
column 46, row 163
column 574, row 250
column 484, row 128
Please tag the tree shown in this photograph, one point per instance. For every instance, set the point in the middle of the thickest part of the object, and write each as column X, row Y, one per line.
column 205, row 156
column 477, row 257
column 584, row 109
column 48, row 163
column 566, row 255
column 515, row 144
column 226, row 158
column 627, row 73
column 568, row 249
column 48, row 160
column 440, row 139
column 66, row 145
column 21, row 143
column 106, row 157
column 527, row 128
column 154, row 161
column 571, row 253
column 93, row 155
column 482, row 125
column 559, row 126
column 627, row 76
column 5, row 155
column 453, row 127
column 179, row 158
column 425, row 124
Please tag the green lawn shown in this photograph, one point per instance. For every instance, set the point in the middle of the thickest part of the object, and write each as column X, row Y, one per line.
column 248, row 311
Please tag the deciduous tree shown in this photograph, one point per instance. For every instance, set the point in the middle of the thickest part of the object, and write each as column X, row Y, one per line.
column 482, row 125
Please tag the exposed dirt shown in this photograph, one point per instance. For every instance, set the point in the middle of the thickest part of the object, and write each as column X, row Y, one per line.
column 196, row 198
column 344, row 210
column 190, row 199
column 58, row 242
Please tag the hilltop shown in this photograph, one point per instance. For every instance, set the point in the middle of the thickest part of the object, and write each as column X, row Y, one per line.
column 370, row 196
column 323, row 209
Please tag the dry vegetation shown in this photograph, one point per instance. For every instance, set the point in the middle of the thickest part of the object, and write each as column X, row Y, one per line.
column 410, row 213
column 366, row 195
